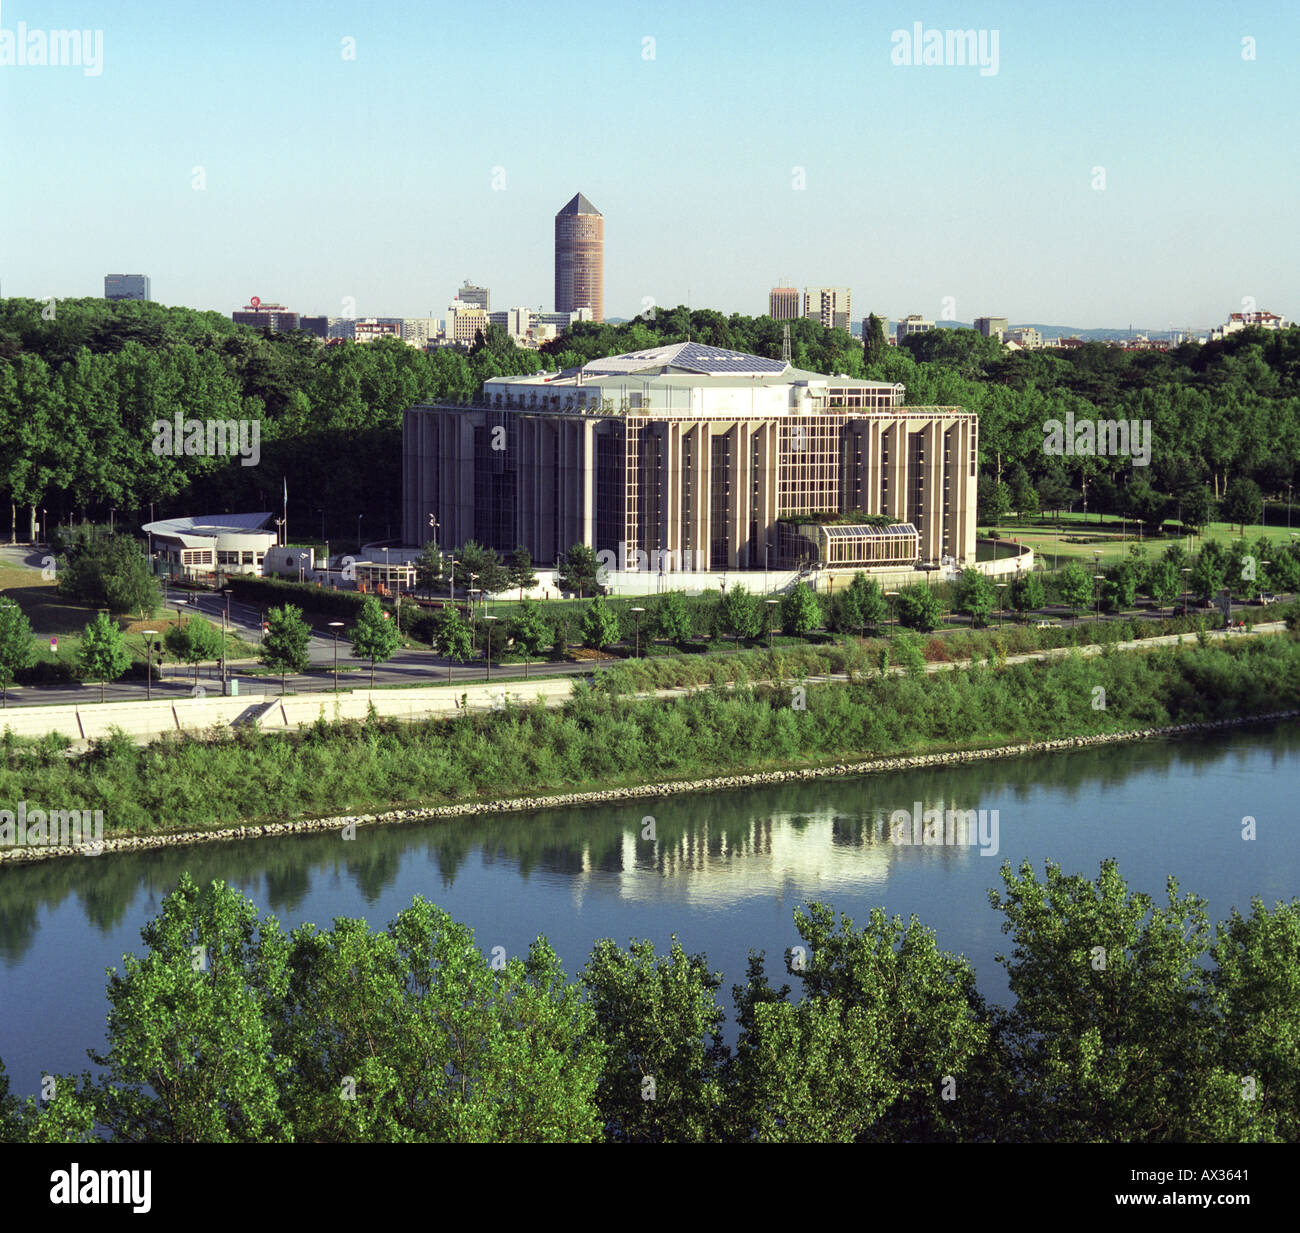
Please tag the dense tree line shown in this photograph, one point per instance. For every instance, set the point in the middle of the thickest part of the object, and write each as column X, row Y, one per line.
column 1128, row 1022
column 82, row 384
column 1226, row 411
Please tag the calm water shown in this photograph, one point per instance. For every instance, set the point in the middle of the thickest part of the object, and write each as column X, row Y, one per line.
column 725, row 872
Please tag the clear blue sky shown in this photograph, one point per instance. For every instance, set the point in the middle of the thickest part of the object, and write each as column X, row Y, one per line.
column 373, row 178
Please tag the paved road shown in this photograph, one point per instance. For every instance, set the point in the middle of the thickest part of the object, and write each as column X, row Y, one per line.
column 413, row 666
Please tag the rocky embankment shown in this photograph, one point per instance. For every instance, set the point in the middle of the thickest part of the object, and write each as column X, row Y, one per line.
column 903, row 762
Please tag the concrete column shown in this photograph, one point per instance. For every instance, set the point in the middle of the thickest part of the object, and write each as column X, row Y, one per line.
column 700, row 501
column 587, row 464
column 742, row 487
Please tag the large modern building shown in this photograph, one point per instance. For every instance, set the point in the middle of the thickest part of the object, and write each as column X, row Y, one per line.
column 783, row 303
column 694, row 457
column 216, row 543
column 580, row 258
column 475, row 297
column 913, row 323
column 992, row 327
column 127, row 287
column 829, row 305
column 262, row 316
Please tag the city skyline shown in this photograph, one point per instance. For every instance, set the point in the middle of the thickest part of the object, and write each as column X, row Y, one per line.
column 1074, row 183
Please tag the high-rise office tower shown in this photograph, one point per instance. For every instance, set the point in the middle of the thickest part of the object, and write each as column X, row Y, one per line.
column 783, row 303
column 474, row 297
column 580, row 258
column 829, row 305
column 126, row 287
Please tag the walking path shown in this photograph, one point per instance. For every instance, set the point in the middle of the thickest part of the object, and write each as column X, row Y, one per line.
column 146, row 721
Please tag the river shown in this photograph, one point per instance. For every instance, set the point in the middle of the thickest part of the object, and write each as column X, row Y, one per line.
column 724, row 870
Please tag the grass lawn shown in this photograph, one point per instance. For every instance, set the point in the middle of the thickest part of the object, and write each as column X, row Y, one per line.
column 52, row 615
column 1078, row 540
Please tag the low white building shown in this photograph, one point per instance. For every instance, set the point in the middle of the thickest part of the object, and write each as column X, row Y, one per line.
column 1239, row 321
column 200, row 547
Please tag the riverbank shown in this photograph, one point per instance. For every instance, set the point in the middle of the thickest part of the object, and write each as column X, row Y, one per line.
column 525, row 804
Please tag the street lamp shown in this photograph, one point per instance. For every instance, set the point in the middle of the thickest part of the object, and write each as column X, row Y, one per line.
column 302, row 566
column 1099, row 578
column 488, row 644
column 225, row 613
column 771, row 603
column 359, row 518
column 336, row 626
column 637, row 616
column 148, row 665
column 180, row 614
column 1001, row 586
column 1187, row 594
column 892, row 596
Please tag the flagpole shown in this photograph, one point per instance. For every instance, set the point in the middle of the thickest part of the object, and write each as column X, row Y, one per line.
column 285, row 520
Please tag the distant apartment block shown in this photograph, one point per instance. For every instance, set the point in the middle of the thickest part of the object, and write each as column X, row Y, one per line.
column 563, row 322
column 262, row 316
column 1239, row 321
column 783, row 303
column 463, row 323
column 368, row 329
column 580, row 258
column 690, row 453
column 992, row 327
column 127, row 287
column 829, row 305
column 420, row 331
column 1025, row 336
column 474, row 297
column 912, row 324
column 517, row 322
column 342, row 328
column 320, row 326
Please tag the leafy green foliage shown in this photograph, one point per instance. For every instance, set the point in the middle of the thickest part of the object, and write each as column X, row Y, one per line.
column 480, row 567
column 659, row 1020
column 599, row 625
column 16, row 649
column 193, row 642
column 671, row 618
column 739, row 612
column 919, row 608
column 103, row 570
column 800, row 611
column 375, row 636
column 975, row 596
column 529, row 627
column 286, row 641
column 1075, row 587
column 1125, row 1025
column 102, row 655
column 578, row 572
column 1027, row 592
column 521, row 570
